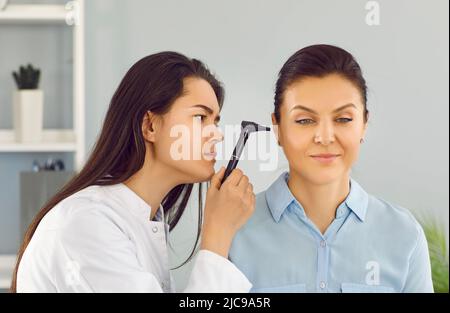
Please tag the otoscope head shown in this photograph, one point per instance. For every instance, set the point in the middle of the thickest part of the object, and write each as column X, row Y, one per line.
column 253, row 127
column 247, row 128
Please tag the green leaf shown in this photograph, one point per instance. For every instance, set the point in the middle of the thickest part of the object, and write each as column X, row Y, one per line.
column 435, row 233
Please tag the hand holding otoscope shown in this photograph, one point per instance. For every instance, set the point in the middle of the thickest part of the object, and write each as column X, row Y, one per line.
column 247, row 128
column 230, row 200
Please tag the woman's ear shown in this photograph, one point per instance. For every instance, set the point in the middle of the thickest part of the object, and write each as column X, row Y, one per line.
column 275, row 128
column 366, row 124
column 150, row 126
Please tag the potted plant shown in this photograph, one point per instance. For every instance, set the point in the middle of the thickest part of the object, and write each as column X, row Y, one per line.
column 28, row 105
column 3, row 4
column 435, row 233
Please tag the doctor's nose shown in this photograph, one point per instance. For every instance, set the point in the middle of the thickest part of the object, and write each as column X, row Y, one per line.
column 324, row 134
column 217, row 135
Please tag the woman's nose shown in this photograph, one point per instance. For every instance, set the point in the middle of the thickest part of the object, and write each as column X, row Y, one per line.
column 324, row 134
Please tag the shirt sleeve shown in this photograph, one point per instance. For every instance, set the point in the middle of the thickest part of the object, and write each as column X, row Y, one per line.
column 94, row 255
column 213, row 273
column 419, row 272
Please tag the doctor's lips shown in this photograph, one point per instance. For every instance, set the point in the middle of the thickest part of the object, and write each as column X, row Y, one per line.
column 325, row 158
column 211, row 155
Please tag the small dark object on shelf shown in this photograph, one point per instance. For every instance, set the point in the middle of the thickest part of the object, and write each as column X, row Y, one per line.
column 50, row 165
column 27, row 77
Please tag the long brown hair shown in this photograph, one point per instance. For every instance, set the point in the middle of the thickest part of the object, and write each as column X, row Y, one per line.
column 152, row 84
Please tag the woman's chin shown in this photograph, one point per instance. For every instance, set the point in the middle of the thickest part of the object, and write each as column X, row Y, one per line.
column 321, row 176
column 325, row 177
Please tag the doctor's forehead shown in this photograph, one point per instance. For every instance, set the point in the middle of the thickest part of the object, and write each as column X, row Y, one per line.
column 198, row 93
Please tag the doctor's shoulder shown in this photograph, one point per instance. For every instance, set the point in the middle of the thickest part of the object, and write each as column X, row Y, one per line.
column 88, row 203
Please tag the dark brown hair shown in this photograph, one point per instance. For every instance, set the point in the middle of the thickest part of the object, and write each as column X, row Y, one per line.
column 152, row 84
column 319, row 61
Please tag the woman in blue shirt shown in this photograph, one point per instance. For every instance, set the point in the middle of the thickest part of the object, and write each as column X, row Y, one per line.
column 316, row 229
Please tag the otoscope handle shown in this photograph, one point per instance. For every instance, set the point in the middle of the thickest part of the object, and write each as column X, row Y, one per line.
column 231, row 166
column 236, row 154
column 247, row 127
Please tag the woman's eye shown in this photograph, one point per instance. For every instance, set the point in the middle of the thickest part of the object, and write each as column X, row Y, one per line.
column 344, row 120
column 305, row 121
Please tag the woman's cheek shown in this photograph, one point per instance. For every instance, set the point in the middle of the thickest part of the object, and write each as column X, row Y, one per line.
column 351, row 150
column 296, row 147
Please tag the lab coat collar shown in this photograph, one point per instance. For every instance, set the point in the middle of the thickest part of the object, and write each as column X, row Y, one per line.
column 136, row 204
column 279, row 197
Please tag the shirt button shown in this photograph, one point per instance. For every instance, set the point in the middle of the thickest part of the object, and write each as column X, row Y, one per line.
column 155, row 229
column 323, row 243
column 322, row 285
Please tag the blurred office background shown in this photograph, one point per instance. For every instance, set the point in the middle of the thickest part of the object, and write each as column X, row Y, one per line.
column 404, row 59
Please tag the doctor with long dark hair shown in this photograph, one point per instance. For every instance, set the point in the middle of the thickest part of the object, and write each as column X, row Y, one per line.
column 106, row 230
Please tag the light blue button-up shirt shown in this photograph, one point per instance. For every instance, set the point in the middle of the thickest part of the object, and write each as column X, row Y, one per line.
column 371, row 246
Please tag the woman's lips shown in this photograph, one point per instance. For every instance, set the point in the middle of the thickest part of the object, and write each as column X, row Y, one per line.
column 325, row 158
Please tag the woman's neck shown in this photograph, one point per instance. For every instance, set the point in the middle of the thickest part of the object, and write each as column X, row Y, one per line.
column 320, row 201
column 152, row 183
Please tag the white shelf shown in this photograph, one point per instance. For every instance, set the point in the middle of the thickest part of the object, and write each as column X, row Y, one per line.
column 71, row 13
column 38, row 147
column 7, row 263
column 52, row 141
column 44, row 13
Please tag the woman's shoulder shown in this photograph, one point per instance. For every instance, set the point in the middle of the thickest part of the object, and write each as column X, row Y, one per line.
column 392, row 216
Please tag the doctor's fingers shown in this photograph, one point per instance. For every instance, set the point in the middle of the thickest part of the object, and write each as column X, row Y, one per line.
column 247, row 192
column 243, row 184
column 217, row 178
column 250, row 189
column 250, row 200
column 234, row 178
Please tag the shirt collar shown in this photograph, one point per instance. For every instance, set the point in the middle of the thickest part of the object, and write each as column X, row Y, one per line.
column 279, row 197
column 357, row 200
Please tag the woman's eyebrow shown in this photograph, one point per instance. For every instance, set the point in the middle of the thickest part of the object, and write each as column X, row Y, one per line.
column 344, row 107
column 208, row 110
column 301, row 107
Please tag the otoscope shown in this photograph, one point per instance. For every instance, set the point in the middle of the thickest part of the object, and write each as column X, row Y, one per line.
column 246, row 129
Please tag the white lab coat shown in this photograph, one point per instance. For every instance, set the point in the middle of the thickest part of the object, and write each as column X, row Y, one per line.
column 101, row 239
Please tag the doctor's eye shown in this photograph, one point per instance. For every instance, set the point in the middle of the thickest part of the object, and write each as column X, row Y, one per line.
column 306, row 121
column 200, row 117
column 344, row 120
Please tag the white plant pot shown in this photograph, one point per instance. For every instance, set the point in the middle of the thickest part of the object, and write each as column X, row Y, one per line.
column 3, row 4
column 28, row 115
